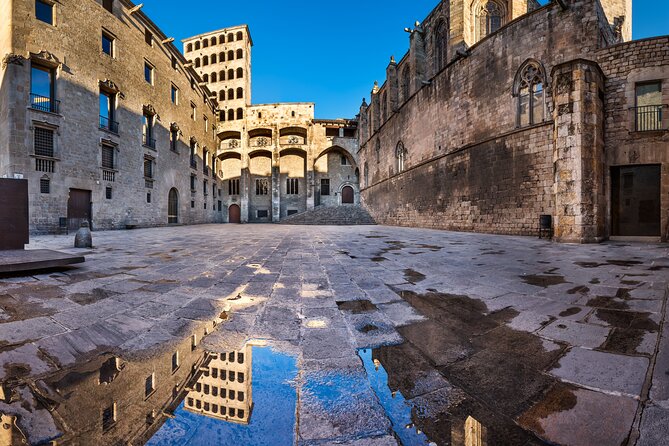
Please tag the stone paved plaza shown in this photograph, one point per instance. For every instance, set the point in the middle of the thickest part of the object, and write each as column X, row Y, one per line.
column 535, row 340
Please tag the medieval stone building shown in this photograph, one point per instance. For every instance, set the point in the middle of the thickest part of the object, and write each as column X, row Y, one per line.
column 505, row 110
column 110, row 123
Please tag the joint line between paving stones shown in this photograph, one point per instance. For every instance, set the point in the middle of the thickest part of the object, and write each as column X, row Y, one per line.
column 635, row 430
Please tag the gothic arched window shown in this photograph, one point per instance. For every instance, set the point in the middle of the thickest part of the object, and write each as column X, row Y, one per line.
column 400, row 154
column 489, row 17
column 366, row 169
column 378, row 151
column 529, row 88
column 406, row 83
column 384, row 107
column 440, row 45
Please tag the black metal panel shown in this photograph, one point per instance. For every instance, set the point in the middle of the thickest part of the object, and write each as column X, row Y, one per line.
column 13, row 214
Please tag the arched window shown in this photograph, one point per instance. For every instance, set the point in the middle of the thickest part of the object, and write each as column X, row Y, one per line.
column 240, row 93
column 529, row 89
column 440, row 45
column 384, row 107
column 231, row 115
column 231, row 94
column 221, row 116
column 240, row 113
column 231, row 55
column 197, row 45
column 213, row 41
column 205, row 61
column 221, row 95
column 240, row 53
column 231, row 74
column 205, row 43
column 240, row 36
column 231, row 37
column 221, row 75
column 221, row 39
column 197, row 62
column 221, row 56
column 400, row 154
column 189, row 47
column 205, row 77
column 213, row 58
column 214, row 77
column 378, row 151
column 240, row 73
column 406, row 83
column 489, row 18
column 366, row 171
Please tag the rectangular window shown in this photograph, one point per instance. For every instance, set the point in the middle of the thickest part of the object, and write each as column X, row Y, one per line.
column 148, row 73
column 108, row 5
column 175, row 62
column 292, row 186
column 220, row 206
column 206, row 125
column 42, row 89
column 205, row 188
column 109, row 417
column 193, row 155
column 193, row 180
column 44, row 186
column 263, row 213
column 291, row 212
column 174, row 139
column 175, row 95
column 108, row 111
column 108, row 193
column 233, row 187
column 107, row 157
column 149, row 385
column 175, row 364
column 325, row 186
column 148, row 168
column 107, row 44
column 344, row 161
column 148, row 197
column 147, row 131
column 649, row 106
column 193, row 111
column 43, row 142
column 262, row 186
column 44, row 11
column 148, row 37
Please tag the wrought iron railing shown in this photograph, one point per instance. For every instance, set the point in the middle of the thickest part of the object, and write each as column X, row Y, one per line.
column 648, row 118
column 108, row 124
column 43, row 103
column 148, row 141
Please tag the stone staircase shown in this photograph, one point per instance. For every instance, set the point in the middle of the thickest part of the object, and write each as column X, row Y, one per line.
column 346, row 215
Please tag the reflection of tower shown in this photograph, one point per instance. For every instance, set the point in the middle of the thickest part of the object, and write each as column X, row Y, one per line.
column 224, row 389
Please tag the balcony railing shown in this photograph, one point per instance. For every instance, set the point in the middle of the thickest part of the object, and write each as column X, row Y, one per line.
column 149, row 142
column 44, row 165
column 108, row 175
column 108, row 124
column 648, row 118
column 42, row 103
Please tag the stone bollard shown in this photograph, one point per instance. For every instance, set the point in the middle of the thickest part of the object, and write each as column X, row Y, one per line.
column 83, row 239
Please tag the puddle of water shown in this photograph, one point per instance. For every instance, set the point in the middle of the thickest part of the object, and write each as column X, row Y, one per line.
column 357, row 306
column 259, row 410
column 396, row 407
column 543, row 281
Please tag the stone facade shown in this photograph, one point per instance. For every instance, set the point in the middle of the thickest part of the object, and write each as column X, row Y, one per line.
column 487, row 133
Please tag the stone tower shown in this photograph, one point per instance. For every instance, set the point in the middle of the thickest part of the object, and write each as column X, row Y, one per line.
column 619, row 15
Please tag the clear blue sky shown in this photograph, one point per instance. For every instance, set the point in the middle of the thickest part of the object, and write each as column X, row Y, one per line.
column 329, row 53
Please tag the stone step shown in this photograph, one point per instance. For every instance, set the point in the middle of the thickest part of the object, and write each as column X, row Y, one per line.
column 331, row 216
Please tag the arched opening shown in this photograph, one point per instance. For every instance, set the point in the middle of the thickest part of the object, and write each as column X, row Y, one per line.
column 529, row 89
column 197, row 45
column 214, row 77
column 189, row 48
column 213, row 41
column 406, row 83
column 260, row 191
column 334, row 168
column 240, row 73
column 231, row 37
column 231, row 74
column 240, row 113
column 231, row 55
column 234, row 214
column 489, row 18
column 205, row 61
column 197, row 62
column 214, row 58
column 293, row 181
column 240, row 53
column 440, row 48
column 240, row 36
column 205, row 77
column 231, row 94
column 293, row 136
column 240, row 93
column 231, row 115
column 173, row 207
column 221, row 56
column 347, row 195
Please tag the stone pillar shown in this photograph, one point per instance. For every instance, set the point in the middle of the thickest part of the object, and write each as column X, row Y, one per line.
column 276, row 178
column 363, row 126
column 245, row 180
column 578, row 155
column 309, row 173
column 418, row 59
column 392, row 86
column 375, row 106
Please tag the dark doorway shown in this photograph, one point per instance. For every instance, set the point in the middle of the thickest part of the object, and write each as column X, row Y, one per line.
column 635, row 201
column 234, row 214
column 173, row 207
column 79, row 208
column 347, row 195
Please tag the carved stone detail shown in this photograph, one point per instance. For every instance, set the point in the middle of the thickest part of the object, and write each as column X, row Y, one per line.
column 46, row 56
column 14, row 59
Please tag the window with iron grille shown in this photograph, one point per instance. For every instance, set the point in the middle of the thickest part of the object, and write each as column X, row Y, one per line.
column 233, row 187
column 45, row 186
column 148, row 197
column 325, row 186
column 262, row 186
column 292, row 186
column 43, row 142
column 193, row 180
column 107, row 157
column 108, row 193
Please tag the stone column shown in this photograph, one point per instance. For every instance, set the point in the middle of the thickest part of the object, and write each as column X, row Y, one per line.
column 245, row 180
column 391, row 86
column 276, row 177
column 578, row 155
column 310, row 175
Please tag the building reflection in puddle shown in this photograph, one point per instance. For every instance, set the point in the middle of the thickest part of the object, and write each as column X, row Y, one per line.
column 241, row 397
column 409, row 420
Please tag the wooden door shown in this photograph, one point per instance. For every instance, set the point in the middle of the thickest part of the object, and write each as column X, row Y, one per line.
column 234, row 214
column 347, row 195
column 78, row 208
column 173, row 207
column 635, row 201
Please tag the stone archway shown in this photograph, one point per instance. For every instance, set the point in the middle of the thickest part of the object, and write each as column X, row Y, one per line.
column 347, row 195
